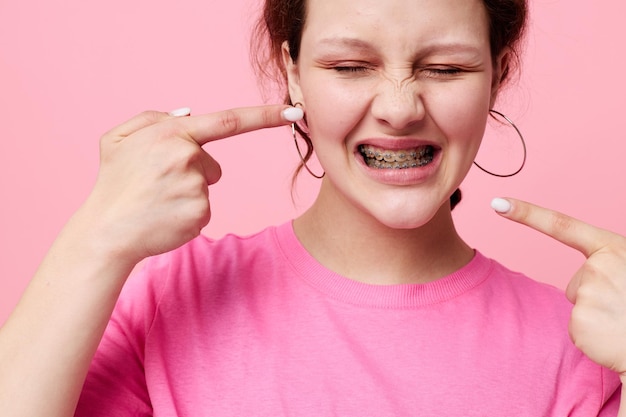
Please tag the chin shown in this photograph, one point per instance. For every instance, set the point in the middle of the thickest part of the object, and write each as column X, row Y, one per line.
column 408, row 219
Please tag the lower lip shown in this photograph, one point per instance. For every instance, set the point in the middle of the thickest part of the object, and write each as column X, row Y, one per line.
column 404, row 176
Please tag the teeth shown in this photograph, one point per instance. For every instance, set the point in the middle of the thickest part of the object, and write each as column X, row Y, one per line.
column 401, row 159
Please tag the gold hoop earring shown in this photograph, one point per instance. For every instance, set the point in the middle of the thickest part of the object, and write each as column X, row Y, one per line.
column 295, row 140
column 509, row 121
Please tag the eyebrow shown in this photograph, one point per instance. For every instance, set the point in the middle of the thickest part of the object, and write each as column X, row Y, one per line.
column 445, row 47
column 346, row 42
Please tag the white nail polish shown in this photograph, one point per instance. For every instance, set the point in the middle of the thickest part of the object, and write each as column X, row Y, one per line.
column 500, row 205
column 293, row 114
column 183, row 111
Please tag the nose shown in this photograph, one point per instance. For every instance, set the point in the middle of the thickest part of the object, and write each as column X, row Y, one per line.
column 398, row 104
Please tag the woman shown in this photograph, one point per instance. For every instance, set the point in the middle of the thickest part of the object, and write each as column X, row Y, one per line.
column 370, row 302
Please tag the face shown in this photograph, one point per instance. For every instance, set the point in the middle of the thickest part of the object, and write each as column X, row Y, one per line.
column 396, row 95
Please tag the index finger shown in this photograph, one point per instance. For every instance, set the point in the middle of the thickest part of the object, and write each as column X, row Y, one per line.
column 214, row 126
column 574, row 233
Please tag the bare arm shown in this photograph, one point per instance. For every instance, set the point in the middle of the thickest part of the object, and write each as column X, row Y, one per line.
column 48, row 342
column 151, row 197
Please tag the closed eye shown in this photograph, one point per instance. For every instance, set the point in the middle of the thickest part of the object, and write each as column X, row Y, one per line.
column 350, row 68
column 441, row 72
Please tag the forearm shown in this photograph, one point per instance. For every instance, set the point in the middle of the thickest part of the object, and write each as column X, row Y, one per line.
column 48, row 342
column 151, row 197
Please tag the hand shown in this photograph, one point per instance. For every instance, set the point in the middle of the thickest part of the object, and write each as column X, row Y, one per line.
column 598, row 289
column 151, row 194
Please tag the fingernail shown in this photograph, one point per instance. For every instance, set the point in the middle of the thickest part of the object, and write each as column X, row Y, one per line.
column 500, row 205
column 293, row 114
column 183, row 111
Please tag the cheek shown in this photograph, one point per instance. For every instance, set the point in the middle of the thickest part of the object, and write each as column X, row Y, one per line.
column 461, row 114
column 333, row 108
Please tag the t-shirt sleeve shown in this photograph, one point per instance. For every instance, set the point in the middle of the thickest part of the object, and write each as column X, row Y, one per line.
column 611, row 407
column 116, row 384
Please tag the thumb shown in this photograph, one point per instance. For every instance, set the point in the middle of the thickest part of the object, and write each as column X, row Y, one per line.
column 571, row 291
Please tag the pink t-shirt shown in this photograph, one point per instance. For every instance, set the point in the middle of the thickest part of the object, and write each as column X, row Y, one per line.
column 254, row 326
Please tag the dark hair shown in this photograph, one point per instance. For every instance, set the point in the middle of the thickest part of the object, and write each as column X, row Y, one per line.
column 283, row 20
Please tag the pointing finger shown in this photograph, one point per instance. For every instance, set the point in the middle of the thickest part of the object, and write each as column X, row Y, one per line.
column 209, row 127
column 145, row 119
column 574, row 233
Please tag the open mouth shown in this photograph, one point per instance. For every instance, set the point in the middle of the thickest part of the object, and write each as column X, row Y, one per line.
column 399, row 159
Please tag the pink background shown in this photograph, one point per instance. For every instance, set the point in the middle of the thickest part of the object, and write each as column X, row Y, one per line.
column 70, row 70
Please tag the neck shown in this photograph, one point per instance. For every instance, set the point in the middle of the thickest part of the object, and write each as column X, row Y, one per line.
column 354, row 244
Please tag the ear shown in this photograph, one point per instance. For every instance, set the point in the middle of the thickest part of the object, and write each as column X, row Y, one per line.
column 293, row 76
column 500, row 68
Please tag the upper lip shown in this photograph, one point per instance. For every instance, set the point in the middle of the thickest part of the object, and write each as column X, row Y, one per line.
column 396, row 143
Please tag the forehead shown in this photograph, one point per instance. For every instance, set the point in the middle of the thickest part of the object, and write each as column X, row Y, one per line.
column 402, row 23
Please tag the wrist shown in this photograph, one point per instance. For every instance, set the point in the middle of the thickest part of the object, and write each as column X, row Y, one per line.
column 90, row 237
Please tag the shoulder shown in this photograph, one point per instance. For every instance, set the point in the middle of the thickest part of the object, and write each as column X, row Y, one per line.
column 530, row 319
column 499, row 281
column 525, row 288
column 204, row 254
column 206, row 269
column 521, row 298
